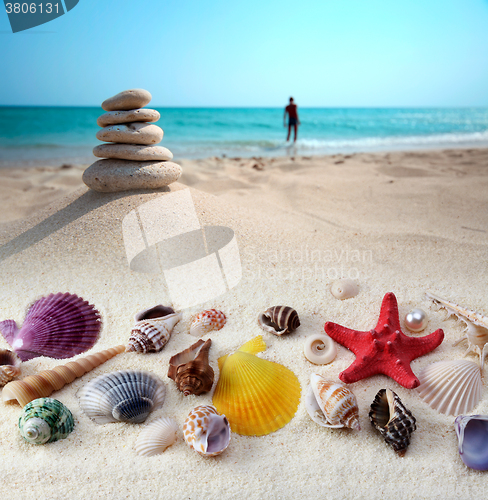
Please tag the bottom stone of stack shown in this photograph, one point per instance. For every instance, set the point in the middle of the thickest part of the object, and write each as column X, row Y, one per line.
column 110, row 176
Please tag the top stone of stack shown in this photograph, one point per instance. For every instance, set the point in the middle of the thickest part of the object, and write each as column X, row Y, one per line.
column 127, row 100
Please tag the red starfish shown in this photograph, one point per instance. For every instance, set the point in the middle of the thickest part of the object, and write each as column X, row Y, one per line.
column 385, row 349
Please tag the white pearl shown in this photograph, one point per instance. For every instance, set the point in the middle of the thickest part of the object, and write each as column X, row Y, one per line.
column 416, row 320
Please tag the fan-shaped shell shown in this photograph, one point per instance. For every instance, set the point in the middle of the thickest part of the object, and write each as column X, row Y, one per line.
column 395, row 423
column 156, row 437
column 344, row 289
column 152, row 329
column 256, row 395
column 45, row 420
column 331, row 404
column 9, row 366
column 451, row 387
column 123, row 396
column 191, row 370
column 207, row 321
column 207, row 432
column 319, row 349
column 279, row 320
column 472, row 434
column 58, row 326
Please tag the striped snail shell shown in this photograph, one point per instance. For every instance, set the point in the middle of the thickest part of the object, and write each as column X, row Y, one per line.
column 279, row 320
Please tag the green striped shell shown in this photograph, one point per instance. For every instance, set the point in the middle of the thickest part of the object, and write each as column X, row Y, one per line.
column 45, row 420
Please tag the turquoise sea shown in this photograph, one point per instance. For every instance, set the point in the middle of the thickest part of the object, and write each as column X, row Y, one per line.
column 67, row 134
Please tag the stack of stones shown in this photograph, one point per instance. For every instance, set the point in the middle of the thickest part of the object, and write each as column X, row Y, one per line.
column 132, row 159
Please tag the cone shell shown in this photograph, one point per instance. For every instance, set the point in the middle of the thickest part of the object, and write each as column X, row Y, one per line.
column 331, row 404
column 279, row 320
column 472, row 434
column 152, row 329
column 395, row 423
column 191, row 370
column 257, row 396
column 45, row 420
column 59, row 326
column 46, row 382
column 156, row 437
column 451, row 387
column 9, row 366
column 206, row 322
column 207, row 432
column 123, row 396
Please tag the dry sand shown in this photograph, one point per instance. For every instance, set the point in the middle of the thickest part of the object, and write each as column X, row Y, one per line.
column 404, row 222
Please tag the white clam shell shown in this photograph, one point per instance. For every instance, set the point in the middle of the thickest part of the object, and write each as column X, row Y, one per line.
column 156, row 437
column 451, row 387
column 320, row 349
column 123, row 396
column 331, row 404
column 344, row 289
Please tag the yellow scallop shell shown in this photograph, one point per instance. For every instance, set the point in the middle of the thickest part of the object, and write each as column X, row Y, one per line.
column 257, row 396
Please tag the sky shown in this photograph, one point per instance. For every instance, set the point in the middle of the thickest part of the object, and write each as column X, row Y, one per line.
column 205, row 53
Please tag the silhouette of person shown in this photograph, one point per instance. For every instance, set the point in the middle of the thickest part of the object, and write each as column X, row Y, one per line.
column 293, row 120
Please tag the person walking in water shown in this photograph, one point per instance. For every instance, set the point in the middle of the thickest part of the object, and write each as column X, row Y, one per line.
column 293, row 120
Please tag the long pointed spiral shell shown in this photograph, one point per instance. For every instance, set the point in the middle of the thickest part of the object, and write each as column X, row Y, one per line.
column 46, row 382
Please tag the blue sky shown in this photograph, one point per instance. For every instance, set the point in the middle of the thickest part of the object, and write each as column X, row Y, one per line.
column 254, row 53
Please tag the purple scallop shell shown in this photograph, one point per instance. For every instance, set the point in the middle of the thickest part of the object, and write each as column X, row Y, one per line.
column 472, row 433
column 58, row 326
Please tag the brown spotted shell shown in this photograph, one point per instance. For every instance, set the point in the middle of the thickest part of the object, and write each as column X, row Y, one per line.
column 191, row 370
column 395, row 423
column 279, row 320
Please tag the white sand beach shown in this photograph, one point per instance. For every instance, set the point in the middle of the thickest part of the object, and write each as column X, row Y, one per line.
column 401, row 222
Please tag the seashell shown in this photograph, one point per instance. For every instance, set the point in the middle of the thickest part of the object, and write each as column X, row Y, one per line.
column 206, row 431
column 191, row 370
column 320, row 349
column 58, row 326
column 123, row 396
column 393, row 420
column 207, row 321
column 331, row 404
column 45, row 420
column 472, row 434
column 156, row 437
column 256, row 395
column 279, row 320
column 9, row 366
column 152, row 329
column 451, row 387
column 344, row 289
column 46, row 382
column 476, row 326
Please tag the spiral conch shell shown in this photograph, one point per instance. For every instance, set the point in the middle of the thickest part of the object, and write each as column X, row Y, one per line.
column 9, row 366
column 206, row 431
column 279, row 320
column 152, row 329
column 395, row 423
column 331, row 404
column 45, row 420
column 191, row 370
column 156, row 437
column 46, row 382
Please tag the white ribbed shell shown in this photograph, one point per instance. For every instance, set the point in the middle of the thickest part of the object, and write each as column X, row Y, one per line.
column 156, row 437
column 451, row 387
